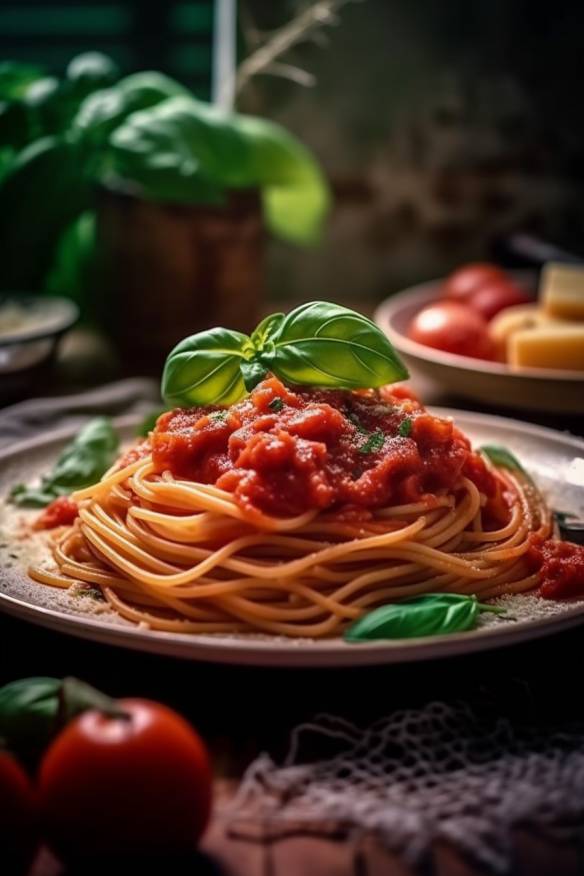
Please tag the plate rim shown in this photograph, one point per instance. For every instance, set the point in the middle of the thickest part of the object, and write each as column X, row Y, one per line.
column 422, row 293
column 280, row 652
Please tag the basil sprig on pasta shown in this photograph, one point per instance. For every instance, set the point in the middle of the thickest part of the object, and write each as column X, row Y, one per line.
column 316, row 344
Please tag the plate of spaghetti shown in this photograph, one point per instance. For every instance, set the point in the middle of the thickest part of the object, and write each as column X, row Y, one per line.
column 284, row 500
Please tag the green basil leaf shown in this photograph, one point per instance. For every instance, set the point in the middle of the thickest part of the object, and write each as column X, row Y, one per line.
column 374, row 443
column 432, row 614
column 33, row 710
column 205, row 369
column 276, row 404
column 264, row 331
column 89, row 71
column 31, row 497
column 405, row 428
column 103, row 111
column 83, row 461
column 180, row 150
column 72, row 271
column 28, row 712
column 295, row 194
column 186, row 151
column 16, row 77
column 43, row 191
column 323, row 344
column 253, row 372
column 501, row 457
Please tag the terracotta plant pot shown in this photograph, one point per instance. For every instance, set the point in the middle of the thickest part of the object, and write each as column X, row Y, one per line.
column 168, row 271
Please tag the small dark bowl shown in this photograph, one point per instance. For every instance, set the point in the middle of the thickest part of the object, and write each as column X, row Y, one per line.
column 28, row 348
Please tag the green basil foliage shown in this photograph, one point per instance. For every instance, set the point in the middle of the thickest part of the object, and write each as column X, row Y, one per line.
column 501, row 457
column 276, row 404
column 432, row 614
column 405, row 427
column 373, row 444
column 205, row 369
column 324, row 344
column 62, row 136
column 317, row 344
column 74, row 263
column 81, row 463
column 183, row 150
column 33, row 710
column 104, row 110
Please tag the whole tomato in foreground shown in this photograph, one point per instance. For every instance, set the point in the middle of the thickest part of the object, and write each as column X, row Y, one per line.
column 18, row 821
column 454, row 328
column 135, row 782
column 462, row 284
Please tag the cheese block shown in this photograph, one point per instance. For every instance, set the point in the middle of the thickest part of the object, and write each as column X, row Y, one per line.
column 511, row 319
column 514, row 319
column 562, row 291
column 549, row 346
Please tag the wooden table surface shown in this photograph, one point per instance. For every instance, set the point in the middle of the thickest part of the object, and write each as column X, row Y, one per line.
column 242, row 711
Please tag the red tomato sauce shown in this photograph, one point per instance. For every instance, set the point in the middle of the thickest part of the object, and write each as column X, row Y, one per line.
column 61, row 512
column 287, row 451
column 560, row 565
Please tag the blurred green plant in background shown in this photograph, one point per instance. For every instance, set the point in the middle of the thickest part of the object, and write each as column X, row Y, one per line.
column 144, row 133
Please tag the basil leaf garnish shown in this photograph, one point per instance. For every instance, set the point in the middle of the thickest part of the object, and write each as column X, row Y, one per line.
column 317, row 344
column 327, row 345
column 83, row 461
column 502, row 457
column 205, row 369
column 265, row 329
column 432, row 614
column 253, row 373
column 374, row 443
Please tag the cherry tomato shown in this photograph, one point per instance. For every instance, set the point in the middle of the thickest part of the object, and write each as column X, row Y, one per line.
column 18, row 822
column 462, row 284
column 138, row 783
column 454, row 328
column 495, row 296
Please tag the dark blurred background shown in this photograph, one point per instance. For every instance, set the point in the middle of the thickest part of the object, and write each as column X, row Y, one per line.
column 444, row 126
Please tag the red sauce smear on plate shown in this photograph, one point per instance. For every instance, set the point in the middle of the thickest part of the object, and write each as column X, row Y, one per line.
column 560, row 565
column 60, row 512
column 287, row 451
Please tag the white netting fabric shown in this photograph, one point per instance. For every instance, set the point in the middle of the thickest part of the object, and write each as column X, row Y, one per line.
column 418, row 776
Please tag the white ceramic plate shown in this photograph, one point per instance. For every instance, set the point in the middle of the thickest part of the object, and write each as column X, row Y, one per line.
column 536, row 389
column 556, row 461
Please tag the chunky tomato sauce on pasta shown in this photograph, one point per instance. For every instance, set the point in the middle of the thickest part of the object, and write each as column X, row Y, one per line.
column 287, row 451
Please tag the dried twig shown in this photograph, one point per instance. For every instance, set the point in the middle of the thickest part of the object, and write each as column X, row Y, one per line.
column 306, row 25
column 289, row 71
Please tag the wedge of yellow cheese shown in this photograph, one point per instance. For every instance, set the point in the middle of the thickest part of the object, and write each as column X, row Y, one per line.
column 550, row 346
column 514, row 319
column 562, row 291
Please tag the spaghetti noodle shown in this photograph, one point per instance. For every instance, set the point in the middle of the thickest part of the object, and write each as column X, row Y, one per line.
column 179, row 552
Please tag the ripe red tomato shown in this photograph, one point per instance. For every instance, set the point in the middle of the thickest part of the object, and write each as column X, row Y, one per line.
column 18, row 821
column 495, row 296
column 462, row 284
column 136, row 784
column 454, row 328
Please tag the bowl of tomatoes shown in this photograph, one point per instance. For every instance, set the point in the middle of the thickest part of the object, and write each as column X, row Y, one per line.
column 446, row 330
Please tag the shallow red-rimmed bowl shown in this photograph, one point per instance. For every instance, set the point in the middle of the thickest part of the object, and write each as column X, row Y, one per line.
column 536, row 389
